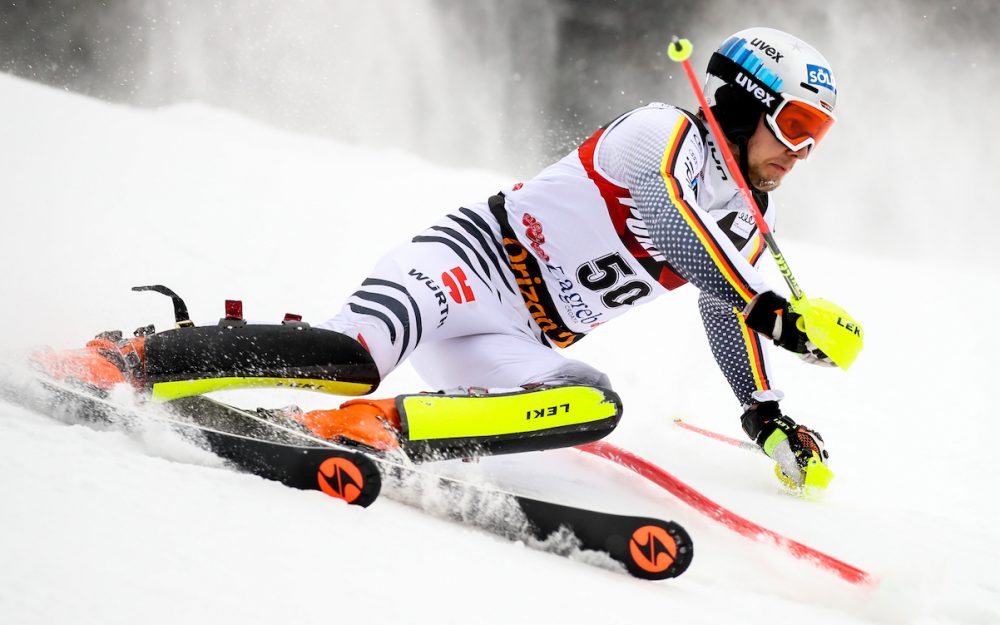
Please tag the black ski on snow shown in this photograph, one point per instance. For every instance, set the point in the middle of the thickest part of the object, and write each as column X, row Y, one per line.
column 339, row 472
column 342, row 473
column 648, row 548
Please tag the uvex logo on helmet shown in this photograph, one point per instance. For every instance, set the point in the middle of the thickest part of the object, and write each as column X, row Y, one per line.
column 754, row 89
column 767, row 49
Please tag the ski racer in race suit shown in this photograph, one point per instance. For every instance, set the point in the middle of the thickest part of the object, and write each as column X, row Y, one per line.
column 642, row 207
column 486, row 297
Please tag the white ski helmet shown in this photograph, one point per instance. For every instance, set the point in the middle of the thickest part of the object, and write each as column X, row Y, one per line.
column 764, row 70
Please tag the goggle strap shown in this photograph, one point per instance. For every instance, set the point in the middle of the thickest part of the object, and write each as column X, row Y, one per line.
column 742, row 79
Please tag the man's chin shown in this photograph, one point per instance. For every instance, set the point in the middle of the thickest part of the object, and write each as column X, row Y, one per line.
column 765, row 185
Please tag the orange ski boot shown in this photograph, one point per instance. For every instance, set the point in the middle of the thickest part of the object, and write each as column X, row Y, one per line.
column 106, row 361
column 370, row 422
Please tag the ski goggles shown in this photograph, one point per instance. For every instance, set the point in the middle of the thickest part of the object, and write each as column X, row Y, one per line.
column 798, row 123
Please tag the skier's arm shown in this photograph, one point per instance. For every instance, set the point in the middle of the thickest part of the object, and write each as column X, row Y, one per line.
column 738, row 350
column 656, row 153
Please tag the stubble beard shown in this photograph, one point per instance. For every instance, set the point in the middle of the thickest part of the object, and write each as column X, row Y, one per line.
column 763, row 183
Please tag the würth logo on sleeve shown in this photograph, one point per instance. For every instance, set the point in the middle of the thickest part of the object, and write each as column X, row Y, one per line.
column 458, row 286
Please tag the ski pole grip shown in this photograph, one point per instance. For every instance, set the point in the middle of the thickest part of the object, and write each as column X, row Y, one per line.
column 680, row 50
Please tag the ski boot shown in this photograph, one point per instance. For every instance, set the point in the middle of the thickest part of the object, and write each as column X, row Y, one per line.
column 371, row 423
column 799, row 452
column 106, row 361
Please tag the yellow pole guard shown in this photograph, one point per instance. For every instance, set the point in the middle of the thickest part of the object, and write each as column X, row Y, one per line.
column 831, row 329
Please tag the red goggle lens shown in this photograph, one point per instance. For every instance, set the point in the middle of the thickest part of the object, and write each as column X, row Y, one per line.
column 799, row 122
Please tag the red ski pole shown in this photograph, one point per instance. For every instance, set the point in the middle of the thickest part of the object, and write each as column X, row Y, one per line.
column 746, row 445
column 730, row 519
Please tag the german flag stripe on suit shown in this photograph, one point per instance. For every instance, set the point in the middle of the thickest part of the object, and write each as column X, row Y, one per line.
column 755, row 354
column 757, row 250
column 694, row 218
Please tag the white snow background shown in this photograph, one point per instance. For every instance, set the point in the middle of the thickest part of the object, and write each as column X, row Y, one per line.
column 100, row 527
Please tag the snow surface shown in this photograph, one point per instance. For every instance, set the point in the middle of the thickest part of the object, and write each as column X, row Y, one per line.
column 102, row 527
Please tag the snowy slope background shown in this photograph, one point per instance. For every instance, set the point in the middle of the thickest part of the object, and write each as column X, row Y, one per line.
column 99, row 527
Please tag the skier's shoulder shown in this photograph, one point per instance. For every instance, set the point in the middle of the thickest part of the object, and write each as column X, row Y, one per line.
column 659, row 117
column 658, row 128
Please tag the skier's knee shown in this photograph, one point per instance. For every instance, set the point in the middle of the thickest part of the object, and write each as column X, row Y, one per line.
column 573, row 372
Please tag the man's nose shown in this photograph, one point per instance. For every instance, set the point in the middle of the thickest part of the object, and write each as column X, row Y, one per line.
column 802, row 154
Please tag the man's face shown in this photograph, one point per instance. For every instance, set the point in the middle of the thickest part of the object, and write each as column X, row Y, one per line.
column 769, row 160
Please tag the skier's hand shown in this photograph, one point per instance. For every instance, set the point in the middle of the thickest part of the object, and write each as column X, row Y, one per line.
column 770, row 314
column 799, row 451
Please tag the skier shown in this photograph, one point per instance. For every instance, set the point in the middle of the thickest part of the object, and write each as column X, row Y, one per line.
column 481, row 301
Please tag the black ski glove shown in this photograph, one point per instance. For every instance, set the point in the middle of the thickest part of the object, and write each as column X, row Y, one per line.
column 770, row 314
column 789, row 444
column 761, row 420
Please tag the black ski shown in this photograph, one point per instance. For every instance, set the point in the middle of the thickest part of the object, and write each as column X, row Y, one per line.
column 648, row 548
column 339, row 472
column 347, row 475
